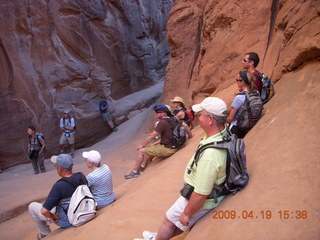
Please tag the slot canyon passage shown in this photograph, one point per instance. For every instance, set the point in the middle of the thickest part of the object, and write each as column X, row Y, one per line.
column 58, row 54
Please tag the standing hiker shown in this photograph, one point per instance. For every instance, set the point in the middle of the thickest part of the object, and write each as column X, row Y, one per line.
column 36, row 146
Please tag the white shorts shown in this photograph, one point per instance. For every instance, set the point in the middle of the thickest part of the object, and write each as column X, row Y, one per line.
column 175, row 211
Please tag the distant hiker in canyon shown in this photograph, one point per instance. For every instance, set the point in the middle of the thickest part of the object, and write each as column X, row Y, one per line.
column 67, row 126
column 180, row 113
column 99, row 180
column 250, row 62
column 105, row 114
column 56, row 206
column 200, row 179
column 246, row 107
column 36, row 147
column 167, row 146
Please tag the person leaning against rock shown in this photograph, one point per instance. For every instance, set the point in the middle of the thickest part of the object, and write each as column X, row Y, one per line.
column 99, row 180
column 162, row 150
column 36, row 146
column 200, row 178
column 56, row 206
column 250, row 62
column 105, row 114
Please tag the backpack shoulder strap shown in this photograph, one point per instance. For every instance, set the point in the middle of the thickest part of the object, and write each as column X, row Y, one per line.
column 83, row 180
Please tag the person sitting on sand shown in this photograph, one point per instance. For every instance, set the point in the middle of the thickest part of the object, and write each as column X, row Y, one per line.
column 99, row 180
column 162, row 150
column 56, row 206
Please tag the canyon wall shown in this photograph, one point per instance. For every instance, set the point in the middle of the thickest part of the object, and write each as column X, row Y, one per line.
column 65, row 54
column 285, row 34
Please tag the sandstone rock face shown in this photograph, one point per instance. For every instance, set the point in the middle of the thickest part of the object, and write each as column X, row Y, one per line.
column 64, row 54
column 285, row 34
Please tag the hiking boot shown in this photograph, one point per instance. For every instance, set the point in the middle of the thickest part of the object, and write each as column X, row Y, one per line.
column 141, row 169
column 132, row 174
column 40, row 236
column 72, row 154
column 149, row 235
column 114, row 129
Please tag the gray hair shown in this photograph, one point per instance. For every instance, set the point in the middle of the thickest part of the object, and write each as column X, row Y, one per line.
column 221, row 120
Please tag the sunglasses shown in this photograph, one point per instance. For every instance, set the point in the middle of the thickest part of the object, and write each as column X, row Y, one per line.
column 247, row 60
column 238, row 79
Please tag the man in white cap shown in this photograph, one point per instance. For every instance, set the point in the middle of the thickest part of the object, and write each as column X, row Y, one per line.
column 56, row 206
column 99, row 180
column 67, row 126
column 200, row 178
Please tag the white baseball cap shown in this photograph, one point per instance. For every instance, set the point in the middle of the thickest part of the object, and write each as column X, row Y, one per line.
column 93, row 156
column 212, row 105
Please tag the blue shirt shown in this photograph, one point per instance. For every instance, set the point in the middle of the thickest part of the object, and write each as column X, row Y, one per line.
column 103, row 104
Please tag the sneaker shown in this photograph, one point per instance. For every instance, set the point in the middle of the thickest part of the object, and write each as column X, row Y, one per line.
column 132, row 174
column 141, row 169
column 40, row 236
column 149, row 235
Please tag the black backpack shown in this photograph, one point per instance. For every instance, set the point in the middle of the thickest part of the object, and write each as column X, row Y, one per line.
column 236, row 171
column 250, row 111
column 267, row 90
column 178, row 131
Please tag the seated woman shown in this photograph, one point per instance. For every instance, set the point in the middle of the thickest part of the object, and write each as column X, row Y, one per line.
column 99, row 180
column 245, row 81
column 180, row 113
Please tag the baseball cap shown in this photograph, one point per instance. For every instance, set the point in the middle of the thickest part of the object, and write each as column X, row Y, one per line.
column 66, row 111
column 63, row 160
column 212, row 105
column 162, row 108
column 93, row 156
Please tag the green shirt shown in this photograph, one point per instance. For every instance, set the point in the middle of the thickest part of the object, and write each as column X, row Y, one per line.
column 210, row 170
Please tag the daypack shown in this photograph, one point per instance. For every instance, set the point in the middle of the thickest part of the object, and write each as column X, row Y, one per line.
column 190, row 114
column 267, row 90
column 82, row 207
column 37, row 135
column 236, row 171
column 250, row 111
column 178, row 131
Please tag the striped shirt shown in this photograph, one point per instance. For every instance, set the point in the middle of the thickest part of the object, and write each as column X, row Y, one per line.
column 100, row 184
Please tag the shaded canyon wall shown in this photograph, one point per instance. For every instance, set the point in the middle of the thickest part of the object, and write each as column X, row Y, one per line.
column 65, row 54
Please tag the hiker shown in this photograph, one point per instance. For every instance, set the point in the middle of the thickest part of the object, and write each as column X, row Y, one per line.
column 180, row 113
column 162, row 150
column 36, row 146
column 104, row 111
column 245, row 80
column 199, row 179
column 250, row 62
column 99, row 180
column 67, row 126
column 56, row 206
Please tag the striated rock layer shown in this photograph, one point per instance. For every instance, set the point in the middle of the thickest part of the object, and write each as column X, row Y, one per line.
column 64, row 54
column 285, row 34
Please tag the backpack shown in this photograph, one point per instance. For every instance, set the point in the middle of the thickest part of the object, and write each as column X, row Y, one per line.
column 250, row 111
column 178, row 131
column 37, row 135
column 190, row 114
column 267, row 90
column 236, row 171
column 82, row 207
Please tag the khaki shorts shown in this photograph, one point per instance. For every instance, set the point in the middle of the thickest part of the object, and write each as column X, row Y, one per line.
column 175, row 211
column 67, row 138
column 106, row 116
column 159, row 151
